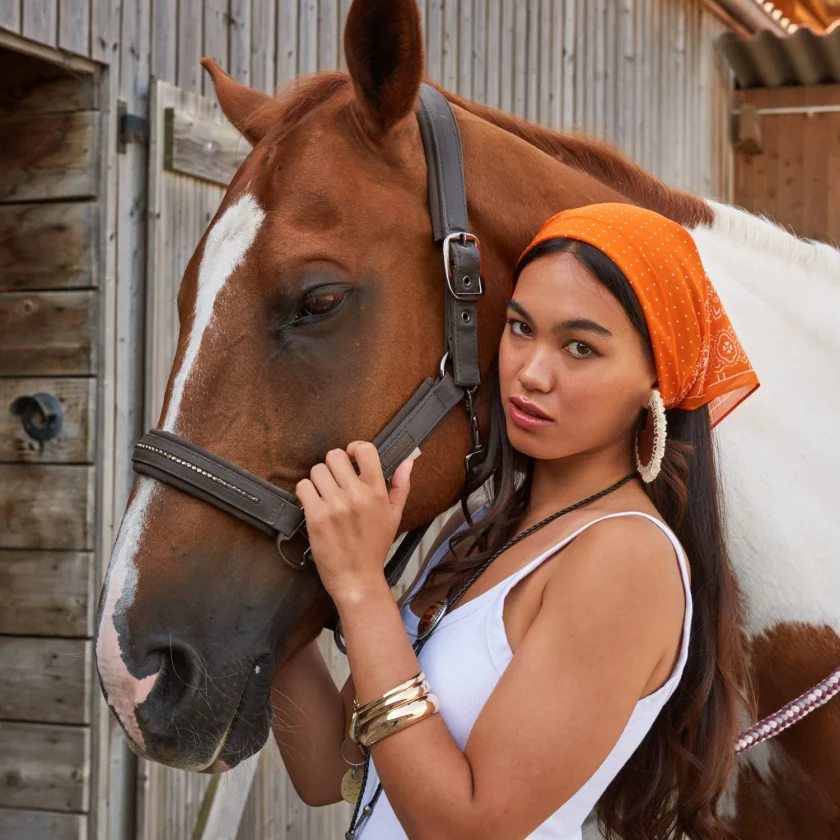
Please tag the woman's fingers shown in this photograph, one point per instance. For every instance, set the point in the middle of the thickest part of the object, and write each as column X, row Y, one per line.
column 370, row 467
column 321, row 476
column 342, row 469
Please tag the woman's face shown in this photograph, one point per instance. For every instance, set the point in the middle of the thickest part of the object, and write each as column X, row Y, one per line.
column 570, row 353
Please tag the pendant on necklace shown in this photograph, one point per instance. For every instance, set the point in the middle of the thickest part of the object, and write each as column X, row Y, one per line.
column 351, row 785
column 431, row 618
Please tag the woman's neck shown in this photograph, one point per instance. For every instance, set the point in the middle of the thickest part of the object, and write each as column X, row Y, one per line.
column 562, row 482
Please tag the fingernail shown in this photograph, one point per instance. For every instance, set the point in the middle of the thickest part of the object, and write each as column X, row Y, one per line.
column 415, row 454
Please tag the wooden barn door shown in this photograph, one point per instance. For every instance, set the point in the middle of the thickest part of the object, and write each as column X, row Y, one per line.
column 49, row 299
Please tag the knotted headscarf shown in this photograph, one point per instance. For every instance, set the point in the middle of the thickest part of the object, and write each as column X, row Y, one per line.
column 698, row 357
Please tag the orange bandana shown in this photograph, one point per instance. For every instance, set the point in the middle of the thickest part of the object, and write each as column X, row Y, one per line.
column 699, row 359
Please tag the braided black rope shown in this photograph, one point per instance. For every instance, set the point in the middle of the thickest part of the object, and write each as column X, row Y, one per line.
column 366, row 811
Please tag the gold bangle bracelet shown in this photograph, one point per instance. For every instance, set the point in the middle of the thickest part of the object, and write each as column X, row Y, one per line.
column 400, row 719
column 415, row 692
column 415, row 680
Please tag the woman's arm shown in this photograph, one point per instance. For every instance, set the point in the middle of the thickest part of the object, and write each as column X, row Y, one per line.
column 611, row 611
column 311, row 716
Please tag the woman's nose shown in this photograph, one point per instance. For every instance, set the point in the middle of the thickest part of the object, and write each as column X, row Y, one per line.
column 535, row 374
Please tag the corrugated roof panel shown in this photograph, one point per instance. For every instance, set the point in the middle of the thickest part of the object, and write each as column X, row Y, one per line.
column 768, row 60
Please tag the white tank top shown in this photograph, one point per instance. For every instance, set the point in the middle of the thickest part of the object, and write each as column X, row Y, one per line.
column 464, row 659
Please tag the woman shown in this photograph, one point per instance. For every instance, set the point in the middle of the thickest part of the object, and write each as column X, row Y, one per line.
column 595, row 661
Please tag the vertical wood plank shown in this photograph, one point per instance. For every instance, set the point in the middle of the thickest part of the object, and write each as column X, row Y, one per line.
column 493, row 61
column 583, row 49
column 190, row 35
column 10, row 15
column 215, row 41
column 449, row 56
column 507, row 69
column 434, row 40
column 570, row 24
column 556, row 11
column 287, row 41
column 833, row 177
column 790, row 129
column 612, row 46
column 328, row 34
column 308, row 37
column 626, row 87
column 164, row 59
column 480, row 58
column 520, row 57
column 533, row 82
column 73, row 26
column 240, row 40
column 466, row 28
column 815, row 181
column 40, row 21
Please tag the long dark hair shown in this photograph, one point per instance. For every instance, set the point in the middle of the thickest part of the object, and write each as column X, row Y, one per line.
column 672, row 784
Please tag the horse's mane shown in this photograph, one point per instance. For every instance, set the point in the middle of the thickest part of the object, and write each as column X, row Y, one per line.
column 584, row 153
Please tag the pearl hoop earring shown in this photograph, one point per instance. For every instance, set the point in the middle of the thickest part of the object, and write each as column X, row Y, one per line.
column 650, row 470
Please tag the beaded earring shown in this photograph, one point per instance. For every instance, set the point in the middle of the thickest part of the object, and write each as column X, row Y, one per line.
column 650, row 470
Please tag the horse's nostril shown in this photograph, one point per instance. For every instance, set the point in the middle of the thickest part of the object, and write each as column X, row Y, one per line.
column 178, row 675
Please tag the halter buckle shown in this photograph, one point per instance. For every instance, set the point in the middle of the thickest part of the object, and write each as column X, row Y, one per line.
column 462, row 238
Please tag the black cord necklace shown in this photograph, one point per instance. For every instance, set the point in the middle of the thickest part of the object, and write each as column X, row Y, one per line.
column 438, row 610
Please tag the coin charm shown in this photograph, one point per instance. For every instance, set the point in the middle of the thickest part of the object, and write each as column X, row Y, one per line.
column 351, row 785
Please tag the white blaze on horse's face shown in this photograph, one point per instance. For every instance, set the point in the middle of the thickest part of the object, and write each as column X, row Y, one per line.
column 225, row 247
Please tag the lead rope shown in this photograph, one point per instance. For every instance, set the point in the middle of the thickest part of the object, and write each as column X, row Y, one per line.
column 444, row 606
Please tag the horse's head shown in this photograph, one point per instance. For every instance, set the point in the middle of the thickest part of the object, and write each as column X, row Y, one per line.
column 310, row 312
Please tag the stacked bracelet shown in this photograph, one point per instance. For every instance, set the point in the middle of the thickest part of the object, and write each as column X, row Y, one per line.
column 397, row 709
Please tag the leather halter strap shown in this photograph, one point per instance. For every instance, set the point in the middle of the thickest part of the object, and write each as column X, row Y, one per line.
column 180, row 463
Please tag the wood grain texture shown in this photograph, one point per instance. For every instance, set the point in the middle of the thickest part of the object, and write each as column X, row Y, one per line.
column 49, row 246
column 45, row 680
column 205, row 149
column 40, row 21
column 73, row 444
column 31, row 86
column 44, row 766
column 46, row 506
column 46, row 593
column 33, row 825
column 49, row 156
column 48, row 333
column 74, row 26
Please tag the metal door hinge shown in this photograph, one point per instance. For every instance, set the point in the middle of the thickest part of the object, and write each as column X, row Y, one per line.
column 132, row 128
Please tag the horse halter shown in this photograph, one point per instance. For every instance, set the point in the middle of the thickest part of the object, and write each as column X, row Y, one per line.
column 182, row 464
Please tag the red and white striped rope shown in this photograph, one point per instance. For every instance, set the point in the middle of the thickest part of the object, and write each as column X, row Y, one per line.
column 790, row 713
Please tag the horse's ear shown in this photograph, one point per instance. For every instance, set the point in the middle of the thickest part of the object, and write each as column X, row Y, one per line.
column 252, row 113
column 383, row 46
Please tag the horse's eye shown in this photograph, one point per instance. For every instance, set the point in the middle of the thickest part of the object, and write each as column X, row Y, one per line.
column 319, row 303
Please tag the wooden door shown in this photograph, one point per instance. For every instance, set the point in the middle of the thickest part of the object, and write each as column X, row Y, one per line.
column 49, row 298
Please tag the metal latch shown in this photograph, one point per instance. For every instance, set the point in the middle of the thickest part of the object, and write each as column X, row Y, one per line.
column 132, row 128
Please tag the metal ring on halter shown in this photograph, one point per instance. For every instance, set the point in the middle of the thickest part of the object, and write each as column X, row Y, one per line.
column 443, row 362
column 306, row 557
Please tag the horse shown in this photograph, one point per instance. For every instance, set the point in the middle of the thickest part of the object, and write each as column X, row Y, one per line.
column 311, row 310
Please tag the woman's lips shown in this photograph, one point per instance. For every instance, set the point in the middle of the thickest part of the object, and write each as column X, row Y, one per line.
column 523, row 419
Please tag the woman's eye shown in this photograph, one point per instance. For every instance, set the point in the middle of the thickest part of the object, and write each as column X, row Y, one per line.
column 519, row 328
column 319, row 304
column 584, row 351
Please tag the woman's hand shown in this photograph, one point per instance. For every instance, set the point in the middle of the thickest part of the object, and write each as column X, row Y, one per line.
column 351, row 519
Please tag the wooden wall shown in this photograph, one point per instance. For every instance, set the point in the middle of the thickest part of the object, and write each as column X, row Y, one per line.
column 641, row 73
column 790, row 179
column 49, row 343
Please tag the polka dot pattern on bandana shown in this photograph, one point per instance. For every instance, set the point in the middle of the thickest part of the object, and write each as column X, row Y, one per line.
column 699, row 359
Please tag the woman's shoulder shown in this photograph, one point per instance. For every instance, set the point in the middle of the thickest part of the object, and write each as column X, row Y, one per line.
column 630, row 561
